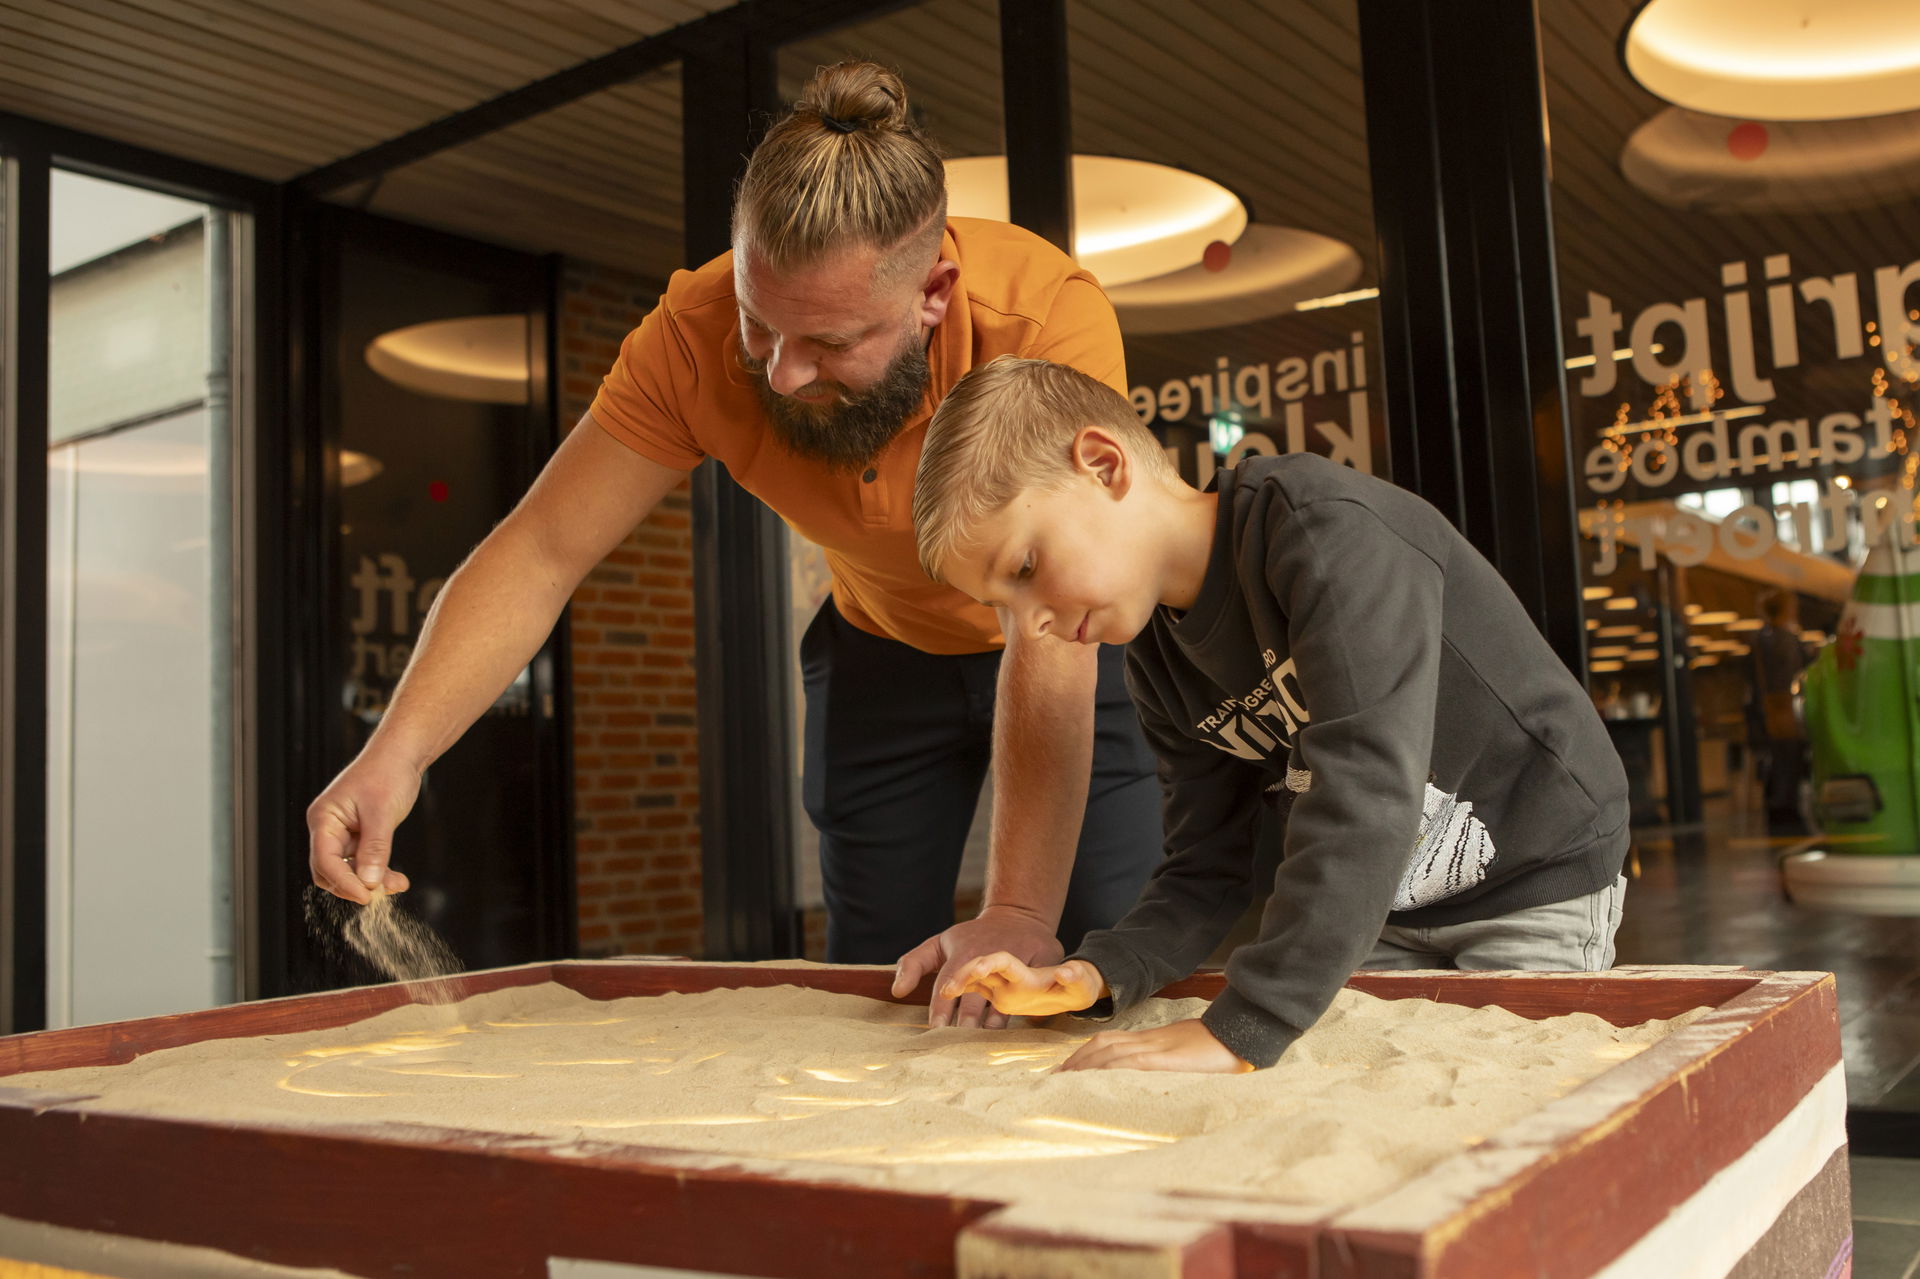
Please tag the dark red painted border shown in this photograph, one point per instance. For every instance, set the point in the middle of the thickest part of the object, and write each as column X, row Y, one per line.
column 438, row 1202
column 1690, row 1105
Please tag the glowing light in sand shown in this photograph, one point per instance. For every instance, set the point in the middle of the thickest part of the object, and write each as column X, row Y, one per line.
column 1102, row 1130
column 830, row 1076
column 530, row 1025
column 590, row 1061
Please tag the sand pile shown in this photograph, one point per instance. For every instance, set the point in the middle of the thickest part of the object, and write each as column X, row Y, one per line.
column 860, row 1090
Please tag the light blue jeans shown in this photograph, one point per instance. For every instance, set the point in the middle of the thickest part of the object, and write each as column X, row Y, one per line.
column 1575, row 935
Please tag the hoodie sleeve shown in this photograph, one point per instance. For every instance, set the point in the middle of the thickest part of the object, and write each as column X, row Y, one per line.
column 1363, row 610
column 1210, row 802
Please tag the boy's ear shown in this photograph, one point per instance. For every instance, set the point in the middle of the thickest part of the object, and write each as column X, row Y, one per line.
column 1099, row 455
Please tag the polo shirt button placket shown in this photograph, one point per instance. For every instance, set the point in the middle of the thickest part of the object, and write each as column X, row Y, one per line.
column 870, row 476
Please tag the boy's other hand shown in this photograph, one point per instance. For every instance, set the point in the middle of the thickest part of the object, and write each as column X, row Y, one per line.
column 1019, row 991
column 1181, row 1045
column 1016, row 933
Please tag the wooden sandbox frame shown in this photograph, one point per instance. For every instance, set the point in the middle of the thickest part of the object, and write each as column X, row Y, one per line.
column 1719, row 1150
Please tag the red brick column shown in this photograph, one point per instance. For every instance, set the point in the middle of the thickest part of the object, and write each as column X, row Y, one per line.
column 636, row 762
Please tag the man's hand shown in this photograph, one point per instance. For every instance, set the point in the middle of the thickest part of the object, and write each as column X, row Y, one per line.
column 1019, row 991
column 1182, row 1045
column 1022, row 936
column 350, row 828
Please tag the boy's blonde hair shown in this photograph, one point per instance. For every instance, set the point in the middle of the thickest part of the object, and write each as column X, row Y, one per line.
column 848, row 167
column 1006, row 427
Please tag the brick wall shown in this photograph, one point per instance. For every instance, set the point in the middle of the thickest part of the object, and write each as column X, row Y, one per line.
column 636, row 766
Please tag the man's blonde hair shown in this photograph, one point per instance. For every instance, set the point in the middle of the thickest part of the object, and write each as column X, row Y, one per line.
column 846, row 168
column 1006, row 427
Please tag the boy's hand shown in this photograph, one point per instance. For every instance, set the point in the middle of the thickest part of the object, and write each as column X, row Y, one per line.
column 1019, row 991
column 1016, row 932
column 1181, row 1045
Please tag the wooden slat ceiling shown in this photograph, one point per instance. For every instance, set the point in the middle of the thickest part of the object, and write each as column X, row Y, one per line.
column 598, row 179
column 273, row 88
column 1263, row 97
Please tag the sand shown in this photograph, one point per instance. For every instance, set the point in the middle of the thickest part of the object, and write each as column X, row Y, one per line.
column 387, row 937
column 859, row 1090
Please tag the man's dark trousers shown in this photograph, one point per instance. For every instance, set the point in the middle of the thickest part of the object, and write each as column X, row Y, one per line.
column 897, row 746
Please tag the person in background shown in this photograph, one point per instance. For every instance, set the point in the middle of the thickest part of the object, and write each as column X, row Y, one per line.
column 808, row 361
column 1780, row 740
column 1306, row 636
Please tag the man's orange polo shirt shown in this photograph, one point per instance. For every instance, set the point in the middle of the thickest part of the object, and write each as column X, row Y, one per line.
column 677, row 395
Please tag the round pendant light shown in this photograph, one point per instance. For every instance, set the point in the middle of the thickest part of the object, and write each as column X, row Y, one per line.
column 1264, row 273
column 1779, row 59
column 1133, row 219
column 474, row 357
column 1711, row 164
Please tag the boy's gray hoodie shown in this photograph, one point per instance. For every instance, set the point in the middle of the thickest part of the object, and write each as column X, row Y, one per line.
column 1351, row 657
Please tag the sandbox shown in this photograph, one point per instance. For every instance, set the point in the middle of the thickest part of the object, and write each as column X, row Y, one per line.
column 1718, row 1149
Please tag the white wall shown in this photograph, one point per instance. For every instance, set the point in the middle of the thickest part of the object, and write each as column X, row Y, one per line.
column 137, row 905
column 127, row 335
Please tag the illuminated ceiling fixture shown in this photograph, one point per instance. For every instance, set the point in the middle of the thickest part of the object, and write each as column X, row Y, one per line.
column 1266, row 272
column 1620, row 353
column 1621, row 602
column 475, row 357
column 1133, row 219
column 1595, row 592
column 1779, row 59
column 358, row 468
column 1338, row 299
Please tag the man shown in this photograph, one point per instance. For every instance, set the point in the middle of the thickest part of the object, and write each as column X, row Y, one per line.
column 808, row 362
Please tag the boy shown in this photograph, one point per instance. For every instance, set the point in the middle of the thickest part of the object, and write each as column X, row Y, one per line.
column 1307, row 638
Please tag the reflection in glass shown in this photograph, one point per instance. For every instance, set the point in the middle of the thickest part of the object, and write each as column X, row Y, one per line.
column 1752, row 265
column 1262, row 345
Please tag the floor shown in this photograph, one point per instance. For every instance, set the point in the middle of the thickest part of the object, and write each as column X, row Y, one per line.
column 1886, row 1217
column 1711, row 895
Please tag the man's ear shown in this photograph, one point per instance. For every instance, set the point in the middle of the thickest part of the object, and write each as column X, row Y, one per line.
column 936, row 292
column 1099, row 455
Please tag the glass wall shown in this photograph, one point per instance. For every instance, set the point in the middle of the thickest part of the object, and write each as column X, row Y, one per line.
column 1740, row 297
column 436, row 415
column 139, row 656
column 1251, row 335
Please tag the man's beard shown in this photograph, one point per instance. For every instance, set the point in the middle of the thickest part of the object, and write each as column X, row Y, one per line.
column 847, row 433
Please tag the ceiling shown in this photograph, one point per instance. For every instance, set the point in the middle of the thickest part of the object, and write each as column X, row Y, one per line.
column 1263, row 97
column 277, row 88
